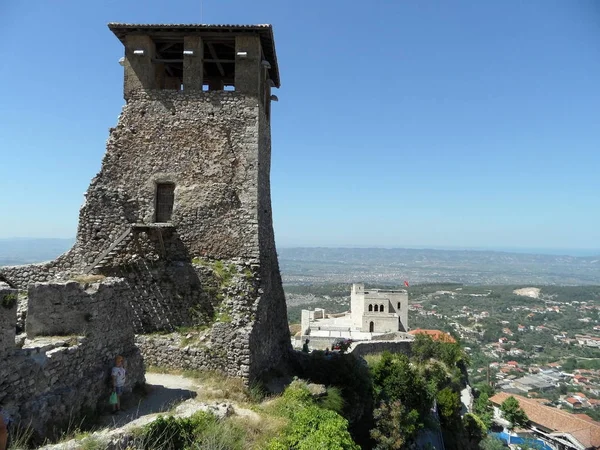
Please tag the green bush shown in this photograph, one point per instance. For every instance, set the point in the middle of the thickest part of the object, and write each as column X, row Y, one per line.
column 333, row 400
column 9, row 301
column 201, row 430
column 311, row 427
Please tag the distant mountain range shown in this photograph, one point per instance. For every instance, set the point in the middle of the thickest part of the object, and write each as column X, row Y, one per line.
column 302, row 265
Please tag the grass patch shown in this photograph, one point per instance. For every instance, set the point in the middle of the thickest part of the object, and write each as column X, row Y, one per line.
column 372, row 359
column 9, row 301
column 295, row 328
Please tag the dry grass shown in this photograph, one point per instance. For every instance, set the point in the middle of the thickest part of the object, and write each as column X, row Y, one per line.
column 259, row 430
column 295, row 328
column 258, row 419
column 88, row 279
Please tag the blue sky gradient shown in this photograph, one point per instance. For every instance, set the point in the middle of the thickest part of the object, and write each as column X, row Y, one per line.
column 400, row 123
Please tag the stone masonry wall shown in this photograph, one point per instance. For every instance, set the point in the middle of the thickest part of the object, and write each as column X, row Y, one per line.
column 54, row 379
column 206, row 143
column 270, row 339
column 8, row 318
column 215, row 148
column 371, row 347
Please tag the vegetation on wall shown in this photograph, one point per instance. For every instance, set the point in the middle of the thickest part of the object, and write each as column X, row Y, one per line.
column 9, row 301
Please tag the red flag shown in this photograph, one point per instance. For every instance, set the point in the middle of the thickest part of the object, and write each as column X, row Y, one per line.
column 406, row 283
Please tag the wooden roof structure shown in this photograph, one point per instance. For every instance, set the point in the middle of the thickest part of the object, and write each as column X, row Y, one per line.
column 219, row 43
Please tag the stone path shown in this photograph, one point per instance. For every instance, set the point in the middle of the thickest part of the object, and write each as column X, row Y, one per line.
column 164, row 392
column 173, row 393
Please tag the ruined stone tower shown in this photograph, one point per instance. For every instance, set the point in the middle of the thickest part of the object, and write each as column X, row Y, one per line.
column 181, row 208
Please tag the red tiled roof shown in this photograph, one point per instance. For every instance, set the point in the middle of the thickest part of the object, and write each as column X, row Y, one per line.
column 585, row 431
column 436, row 335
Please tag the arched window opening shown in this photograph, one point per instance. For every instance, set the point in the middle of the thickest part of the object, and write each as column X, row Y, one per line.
column 370, row 308
column 371, row 327
column 399, row 307
column 382, row 308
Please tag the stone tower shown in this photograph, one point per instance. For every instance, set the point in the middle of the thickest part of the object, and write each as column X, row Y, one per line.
column 181, row 208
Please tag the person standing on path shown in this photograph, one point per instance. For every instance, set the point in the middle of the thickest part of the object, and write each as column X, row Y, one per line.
column 118, row 381
column 305, row 348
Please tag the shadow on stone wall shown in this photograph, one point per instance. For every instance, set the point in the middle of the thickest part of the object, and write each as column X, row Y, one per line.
column 53, row 380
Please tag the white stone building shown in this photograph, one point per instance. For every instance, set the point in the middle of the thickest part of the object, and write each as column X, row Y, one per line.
column 372, row 312
column 378, row 310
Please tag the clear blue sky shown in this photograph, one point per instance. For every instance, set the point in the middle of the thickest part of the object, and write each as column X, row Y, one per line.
column 400, row 123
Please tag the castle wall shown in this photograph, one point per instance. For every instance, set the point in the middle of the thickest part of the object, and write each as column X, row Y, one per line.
column 21, row 276
column 8, row 318
column 374, row 347
column 270, row 339
column 204, row 142
column 54, row 379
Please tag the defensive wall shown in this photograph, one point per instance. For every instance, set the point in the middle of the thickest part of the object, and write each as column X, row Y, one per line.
column 62, row 370
column 360, row 349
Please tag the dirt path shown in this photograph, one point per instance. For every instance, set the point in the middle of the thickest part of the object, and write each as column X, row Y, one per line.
column 164, row 392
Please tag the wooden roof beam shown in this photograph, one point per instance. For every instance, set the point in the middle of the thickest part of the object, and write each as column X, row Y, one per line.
column 213, row 53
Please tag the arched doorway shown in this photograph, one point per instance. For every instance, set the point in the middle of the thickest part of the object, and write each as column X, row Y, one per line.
column 371, row 327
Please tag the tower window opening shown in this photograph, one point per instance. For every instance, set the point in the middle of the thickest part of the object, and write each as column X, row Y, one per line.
column 370, row 308
column 165, row 198
column 169, row 65
column 376, row 308
column 219, row 64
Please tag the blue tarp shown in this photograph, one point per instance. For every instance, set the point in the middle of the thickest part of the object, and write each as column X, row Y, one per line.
column 535, row 443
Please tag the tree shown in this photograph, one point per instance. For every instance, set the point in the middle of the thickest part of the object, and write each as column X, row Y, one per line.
column 448, row 406
column 474, row 427
column 394, row 425
column 395, row 379
column 483, row 408
column 511, row 411
column 570, row 365
column 491, row 443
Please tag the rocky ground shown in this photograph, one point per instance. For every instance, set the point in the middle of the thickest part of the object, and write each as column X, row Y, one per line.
column 175, row 394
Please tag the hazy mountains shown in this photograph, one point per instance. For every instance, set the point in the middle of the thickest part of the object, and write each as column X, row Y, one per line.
column 379, row 265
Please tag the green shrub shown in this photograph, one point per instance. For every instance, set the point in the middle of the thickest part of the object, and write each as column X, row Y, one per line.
column 310, row 426
column 9, row 301
column 333, row 400
column 170, row 433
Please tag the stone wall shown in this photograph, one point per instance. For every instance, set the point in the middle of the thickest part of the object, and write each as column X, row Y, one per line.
column 206, row 143
column 226, row 342
column 53, row 379
column 369, row 347
column 21, row 276
column 215, row 147
column 8, row 318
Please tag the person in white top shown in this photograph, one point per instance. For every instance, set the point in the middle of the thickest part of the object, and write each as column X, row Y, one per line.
column 118, row 381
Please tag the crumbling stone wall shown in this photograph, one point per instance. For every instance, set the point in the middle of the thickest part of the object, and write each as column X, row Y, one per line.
column 53, row 379
column 215, row 148
column 21, row 276
column 8, row 318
